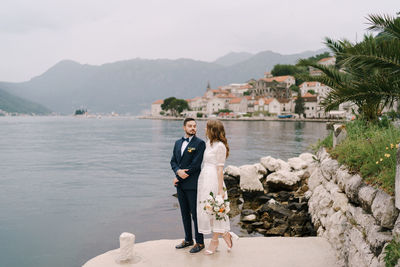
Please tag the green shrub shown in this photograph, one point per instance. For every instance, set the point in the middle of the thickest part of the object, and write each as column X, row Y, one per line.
column 370, row 150
column 327, row 143
column 392, row 252
column 265, row 113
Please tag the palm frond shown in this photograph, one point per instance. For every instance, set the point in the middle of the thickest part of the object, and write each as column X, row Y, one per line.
column 370, row 53
column 386, row 24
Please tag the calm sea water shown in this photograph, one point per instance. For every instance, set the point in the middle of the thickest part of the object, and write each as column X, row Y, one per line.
column 70, row 186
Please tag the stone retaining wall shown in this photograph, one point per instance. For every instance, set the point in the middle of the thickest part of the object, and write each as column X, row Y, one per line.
column 357, row 219
column 314, row 195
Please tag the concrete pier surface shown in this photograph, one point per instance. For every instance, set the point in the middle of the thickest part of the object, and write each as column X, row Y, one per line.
column 248, row 252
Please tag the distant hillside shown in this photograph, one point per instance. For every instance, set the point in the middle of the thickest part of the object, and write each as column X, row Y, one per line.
column 14, row 104
column 233, row 58
column 132, row 85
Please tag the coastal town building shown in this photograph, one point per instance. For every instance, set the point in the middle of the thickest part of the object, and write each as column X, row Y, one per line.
column 250, row 103
column 277, row 87
column 288, row 80
column 218, row 102
column 271, row 105
column 319, row 88
column 238, row 104
column 311, row 106
column 156, row 108
column 237, row 89
column 328, row 61
column 285, row 106
column 197, row 103
column 210, row 93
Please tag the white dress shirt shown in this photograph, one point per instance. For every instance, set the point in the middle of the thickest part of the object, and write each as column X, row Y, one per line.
column 184, row 145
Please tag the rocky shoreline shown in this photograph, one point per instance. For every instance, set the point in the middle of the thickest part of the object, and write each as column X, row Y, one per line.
column 271, row 197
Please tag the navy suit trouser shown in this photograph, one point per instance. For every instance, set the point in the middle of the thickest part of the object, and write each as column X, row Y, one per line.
column 188, row 203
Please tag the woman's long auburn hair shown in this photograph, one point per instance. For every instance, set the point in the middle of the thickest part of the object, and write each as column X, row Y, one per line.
column 216, row 132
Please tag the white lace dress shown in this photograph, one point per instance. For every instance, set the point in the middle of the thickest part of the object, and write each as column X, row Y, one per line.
column 214, row 156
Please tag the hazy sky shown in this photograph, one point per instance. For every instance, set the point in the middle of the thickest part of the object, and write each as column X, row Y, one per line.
column 35, row 35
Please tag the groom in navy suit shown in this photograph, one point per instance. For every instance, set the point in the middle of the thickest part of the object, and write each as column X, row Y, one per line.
column 186, row 163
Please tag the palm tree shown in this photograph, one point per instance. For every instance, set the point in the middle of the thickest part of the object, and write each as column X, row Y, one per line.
column 366, row 73
column 384, row 51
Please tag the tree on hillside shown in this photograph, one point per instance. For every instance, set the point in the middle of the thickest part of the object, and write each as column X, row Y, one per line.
column 287, row 69
column 80, row 111
column 176, row 106
column 299, row 107
column 318, row 57
column 295, row 88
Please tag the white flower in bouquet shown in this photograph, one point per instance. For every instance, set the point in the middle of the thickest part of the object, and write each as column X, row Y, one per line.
column 219, row 200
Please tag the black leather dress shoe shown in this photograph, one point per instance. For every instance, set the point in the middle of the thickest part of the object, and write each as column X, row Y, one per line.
column 184, row 244
column 197, row 248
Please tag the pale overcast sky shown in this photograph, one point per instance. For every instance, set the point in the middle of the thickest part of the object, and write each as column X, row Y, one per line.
column 35, row 35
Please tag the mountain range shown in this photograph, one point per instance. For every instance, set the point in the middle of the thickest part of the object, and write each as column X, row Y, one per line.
column 130, row 86
column 14, row 104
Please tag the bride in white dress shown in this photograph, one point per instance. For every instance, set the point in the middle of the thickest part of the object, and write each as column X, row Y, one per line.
column 211, row 179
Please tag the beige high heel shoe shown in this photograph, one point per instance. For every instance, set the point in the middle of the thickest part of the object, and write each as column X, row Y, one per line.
column 228, row 236
column 210, row 252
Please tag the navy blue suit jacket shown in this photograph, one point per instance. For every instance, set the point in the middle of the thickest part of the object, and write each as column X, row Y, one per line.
column 191, row 159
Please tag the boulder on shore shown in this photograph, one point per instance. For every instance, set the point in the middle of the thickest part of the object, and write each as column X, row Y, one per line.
column 297, row 163
column 273, row 164
column 232, row 171
column 250, row 178
column 283, row 180
column 308, row 158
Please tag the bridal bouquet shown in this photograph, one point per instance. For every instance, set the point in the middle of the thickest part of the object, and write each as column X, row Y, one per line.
column 216, row 206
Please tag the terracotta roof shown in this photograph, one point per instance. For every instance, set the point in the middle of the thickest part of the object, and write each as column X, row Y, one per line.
column 310, row 99
column 277, row 78
column 325, row 59
column 309, row 84
column 219, row 91
column 225, row 96
column 236, row 100
column 189, row 100
column 268, row 100
column 308, row 95
column 256, row 103
column 159, row 101
column 283, row 100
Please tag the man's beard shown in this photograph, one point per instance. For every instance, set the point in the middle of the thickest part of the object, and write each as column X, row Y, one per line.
column 191, row 134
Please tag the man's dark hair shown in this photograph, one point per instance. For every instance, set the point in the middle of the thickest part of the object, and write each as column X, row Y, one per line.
column 186, row 120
